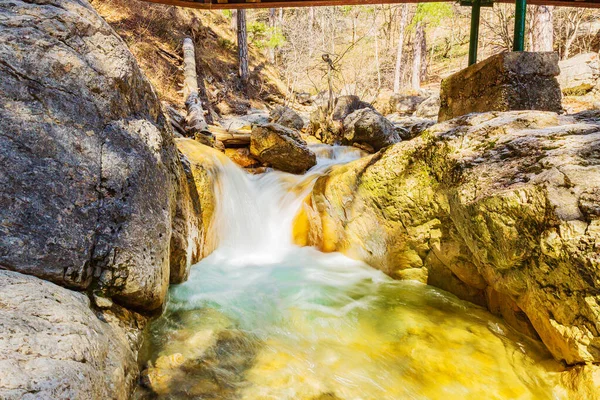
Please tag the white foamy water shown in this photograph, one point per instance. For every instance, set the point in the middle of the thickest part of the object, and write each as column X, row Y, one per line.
column 261, row 318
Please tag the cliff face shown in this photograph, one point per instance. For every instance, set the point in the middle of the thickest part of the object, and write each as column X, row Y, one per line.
column 93, row 198
column 502, row 209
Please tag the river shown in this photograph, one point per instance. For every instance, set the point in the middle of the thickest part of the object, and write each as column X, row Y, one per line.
column 261, row 318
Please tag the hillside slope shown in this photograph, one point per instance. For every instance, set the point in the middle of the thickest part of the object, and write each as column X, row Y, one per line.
column 154, row 34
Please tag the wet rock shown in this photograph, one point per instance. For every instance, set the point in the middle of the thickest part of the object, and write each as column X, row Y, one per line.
column 52, row 346
column 282, row 148
column 287, row 117
column 495, row 206
column 187, row 237
column 367, row 126
column 242, row 157
column 199, row 162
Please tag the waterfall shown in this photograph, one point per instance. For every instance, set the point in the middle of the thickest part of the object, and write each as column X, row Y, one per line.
column 261, row 318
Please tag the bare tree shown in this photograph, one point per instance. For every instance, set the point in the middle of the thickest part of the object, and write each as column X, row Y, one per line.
column 417, row 66
column 499, row 25
column 400, row 47
column 242, row 42
column 567, row 22
column 542, row 30
column 234, row 15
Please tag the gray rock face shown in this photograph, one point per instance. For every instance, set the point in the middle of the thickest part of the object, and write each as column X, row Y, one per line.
column 346, row 105
column 88, row 169
column 409, row 127
column 52, row 346
column 282, row 148
column 430, row 108
column 405, row 104
column 367, row 126
column 504, row 82
column 287, row 117
column 187, row 237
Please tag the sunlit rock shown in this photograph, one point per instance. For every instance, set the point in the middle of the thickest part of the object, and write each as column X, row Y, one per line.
column 242, row 157
column 367, row 126
column 282, row 148
column 501, row 208
column 202, row 185
column 506, row 81
column 287, row 117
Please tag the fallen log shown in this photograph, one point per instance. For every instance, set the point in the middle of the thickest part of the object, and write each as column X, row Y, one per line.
column 194, row 121
column 231, row 138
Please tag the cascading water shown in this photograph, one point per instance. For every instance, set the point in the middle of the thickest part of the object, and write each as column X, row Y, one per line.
column 261, row 318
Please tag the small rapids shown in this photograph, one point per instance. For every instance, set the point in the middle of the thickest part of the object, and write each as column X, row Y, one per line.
column 261, row 318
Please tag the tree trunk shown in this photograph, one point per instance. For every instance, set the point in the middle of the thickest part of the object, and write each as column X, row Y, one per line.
column 272, row 23
column 377, row 61
column 234, row 20
column 543, row 32
column 311, row 28
column 242, row 41
column 417, row 56
column 194, row 122
column 400, row 48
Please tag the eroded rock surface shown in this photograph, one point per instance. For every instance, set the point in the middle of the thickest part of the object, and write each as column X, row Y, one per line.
column 501, row 209
column 53, row 346
column 282, row 148
column 89, row 172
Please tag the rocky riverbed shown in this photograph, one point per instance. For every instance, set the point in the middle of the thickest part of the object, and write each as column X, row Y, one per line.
column 101, row 209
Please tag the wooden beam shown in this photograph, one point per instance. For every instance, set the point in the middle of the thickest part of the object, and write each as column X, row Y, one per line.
column 238, row 4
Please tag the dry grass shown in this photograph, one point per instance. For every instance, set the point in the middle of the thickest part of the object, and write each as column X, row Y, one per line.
column 154, row 34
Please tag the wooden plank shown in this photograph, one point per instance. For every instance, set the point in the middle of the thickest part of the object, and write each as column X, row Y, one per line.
column 238, row 4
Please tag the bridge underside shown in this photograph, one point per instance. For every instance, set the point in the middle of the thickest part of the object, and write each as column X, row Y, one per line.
column 235, row 4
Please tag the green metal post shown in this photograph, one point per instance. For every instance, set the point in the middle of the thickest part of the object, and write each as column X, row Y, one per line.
column 474, row 39
column 521, row 10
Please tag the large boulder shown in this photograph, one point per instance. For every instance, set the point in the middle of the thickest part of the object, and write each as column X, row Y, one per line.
column 282, row 148
column 89, row 172
column 502, row 209
column 53, row 346
column 287, row 117
column 328, row 127
column 504, row 82
column 367, row 126
column 346, row 105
